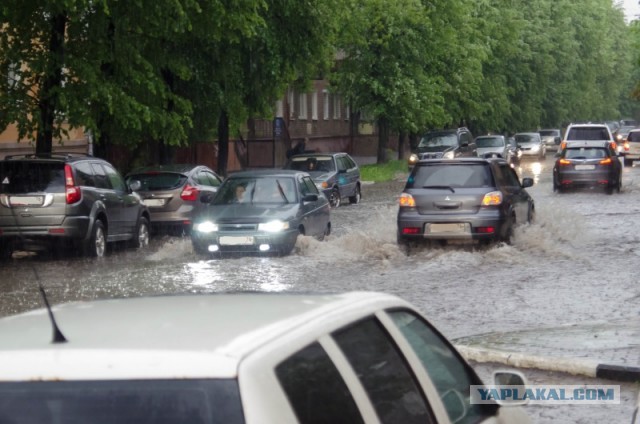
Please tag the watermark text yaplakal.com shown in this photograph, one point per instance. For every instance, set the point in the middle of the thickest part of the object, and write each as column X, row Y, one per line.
column 546, row 394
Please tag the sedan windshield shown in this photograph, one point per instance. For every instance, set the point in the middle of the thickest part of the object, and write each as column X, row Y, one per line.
column 525, row 138
column 132, row 401
column 438, row 139
column 489, row 142
column 256, row 190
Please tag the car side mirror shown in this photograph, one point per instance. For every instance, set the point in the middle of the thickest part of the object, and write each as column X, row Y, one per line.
column 310, row 198
column 135, row 185
column 464, row 144
column 513, row 380
column 557, row 140
column 455, row 404
column 558, row 154
column 527, row 182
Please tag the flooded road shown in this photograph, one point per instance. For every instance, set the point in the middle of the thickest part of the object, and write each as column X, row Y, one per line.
column 576, row 263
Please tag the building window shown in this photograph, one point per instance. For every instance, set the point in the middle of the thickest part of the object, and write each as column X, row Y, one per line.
column 325, row 104
column 302, row 106
column 336, row 106
column 291, row 104
column 314, row 106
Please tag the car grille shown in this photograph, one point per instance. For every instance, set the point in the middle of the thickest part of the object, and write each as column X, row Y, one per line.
column 237, row 227
column 436, row 155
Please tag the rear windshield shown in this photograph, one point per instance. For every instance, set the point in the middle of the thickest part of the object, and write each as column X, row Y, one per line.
column 634, row 136
column 312, row 164
column 588, row 134
column 585, row 153
column 31, row 177
column 134, row 401
column 447, row 175
column 490, row 142
column 158, row 180
column 546, row 133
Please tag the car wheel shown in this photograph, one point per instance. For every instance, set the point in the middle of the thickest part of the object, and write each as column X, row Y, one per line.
column 531, row 217
column 355, row 199
column 141, row 237
column 403, row 245
column 508, row 233
column 334, row 198
column 97, row 245
column 5, row 253
column 327, row 232
column 199, row 249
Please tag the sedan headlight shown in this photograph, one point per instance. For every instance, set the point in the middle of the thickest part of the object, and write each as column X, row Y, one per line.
column 448, row 155
column 206, row 227
column 535, row 148
column 413, row 159
column 273, row 226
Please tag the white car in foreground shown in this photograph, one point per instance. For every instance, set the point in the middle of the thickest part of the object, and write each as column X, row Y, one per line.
column 237, row 358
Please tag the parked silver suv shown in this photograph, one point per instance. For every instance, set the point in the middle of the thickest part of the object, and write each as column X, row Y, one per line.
column 67, row 199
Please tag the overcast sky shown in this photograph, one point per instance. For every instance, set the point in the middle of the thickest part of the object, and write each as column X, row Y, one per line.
column 631, row 9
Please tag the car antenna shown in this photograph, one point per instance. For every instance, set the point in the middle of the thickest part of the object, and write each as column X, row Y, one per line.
column 58, row 337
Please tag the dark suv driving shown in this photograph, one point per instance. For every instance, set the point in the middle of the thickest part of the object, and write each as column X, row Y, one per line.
column 56, row 200
column 466, row 199
column 444, row 144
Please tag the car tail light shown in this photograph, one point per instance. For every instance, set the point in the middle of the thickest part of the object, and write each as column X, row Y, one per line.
column 411, row 230
column 606, row 161
column 189, row 193
column 486, row 230
column 614, row 145
column 563, row 145
column 626, row 146
column 564, row 162
column 407, row 201
column 492, row 199
column 73, row 193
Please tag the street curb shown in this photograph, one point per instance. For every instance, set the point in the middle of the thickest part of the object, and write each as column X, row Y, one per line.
column 575, row 366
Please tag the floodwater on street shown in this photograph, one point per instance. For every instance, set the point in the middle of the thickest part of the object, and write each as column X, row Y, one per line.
column 576, row 263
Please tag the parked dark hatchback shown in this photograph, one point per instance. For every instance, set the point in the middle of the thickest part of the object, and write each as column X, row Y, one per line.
column 262, row 212
column 337, row 175
column 173, row 193
column 67, row 199
column 588, row 164
column 468, row 199
column 444, row 144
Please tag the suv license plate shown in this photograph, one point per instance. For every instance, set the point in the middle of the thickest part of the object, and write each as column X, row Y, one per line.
column 454, row 228
column 236, row 240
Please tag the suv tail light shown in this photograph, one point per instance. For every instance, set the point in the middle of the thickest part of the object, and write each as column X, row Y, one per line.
column 189, row 193
column 406, row 200
column 72, row 192
column 625, row 145
column 492, row 199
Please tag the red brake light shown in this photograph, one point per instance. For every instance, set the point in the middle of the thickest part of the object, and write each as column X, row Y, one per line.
column 626, row 146
column 189, row 193
column 73, row 193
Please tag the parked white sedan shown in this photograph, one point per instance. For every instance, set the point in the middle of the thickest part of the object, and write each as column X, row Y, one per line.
column 237, row 358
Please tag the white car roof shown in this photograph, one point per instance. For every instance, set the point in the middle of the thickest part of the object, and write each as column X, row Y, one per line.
column 191, row 336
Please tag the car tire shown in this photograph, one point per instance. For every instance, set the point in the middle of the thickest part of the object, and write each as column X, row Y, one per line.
column 355, row 199
column 334, row 198
column 6, row 252
column 141, row 236
column 508, row 234
column 200, row 250
column 326, row 233
column 96, row 246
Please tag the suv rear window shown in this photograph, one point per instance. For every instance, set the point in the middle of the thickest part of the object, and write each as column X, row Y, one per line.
column 634, row 136
column 585, row 153
column 22, row 177
column 595, row 133
column 131, row 401
column 159, row 180
column 448, row 175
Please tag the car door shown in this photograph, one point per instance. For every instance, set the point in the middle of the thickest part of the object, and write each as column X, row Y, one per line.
column 353, row 175
column 314, row 214
column 514, row 193
column 112, row 200
column 130, row 203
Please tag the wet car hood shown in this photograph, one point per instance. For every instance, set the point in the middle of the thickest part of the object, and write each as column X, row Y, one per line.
column 485, row 150
column 249, row 212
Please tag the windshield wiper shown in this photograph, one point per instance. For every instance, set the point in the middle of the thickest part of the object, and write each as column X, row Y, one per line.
column 440, row 187
column 282, row 192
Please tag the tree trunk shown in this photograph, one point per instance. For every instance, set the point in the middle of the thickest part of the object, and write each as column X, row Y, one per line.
column 401, row 139
column 47, row 99
column 223, row 143
column 383, row 139
column 413, row 141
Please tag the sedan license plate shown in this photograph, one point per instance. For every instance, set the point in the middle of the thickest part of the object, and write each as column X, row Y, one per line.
column 585, row 167
column 236, row 240
column 449, row 228
column 153, row 202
